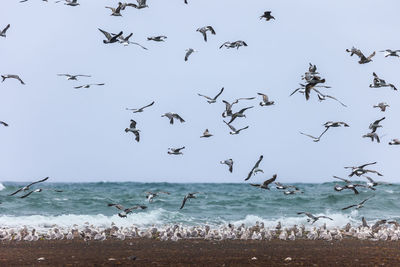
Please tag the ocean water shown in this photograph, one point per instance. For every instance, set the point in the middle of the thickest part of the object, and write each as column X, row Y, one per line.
column 215, row 205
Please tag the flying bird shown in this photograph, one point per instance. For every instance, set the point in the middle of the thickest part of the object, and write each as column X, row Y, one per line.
column 151, row 195
column 382, row 106
column 160, row 38
column 73, row 77
column 115, row 11
column 27, row 187
column 267, row 16
column 126, row 211
column 359, row 205
column 239, row 114
column 12, row 76
column 69, row 2
column 265, row 184
column 132, row 129
column 175, row 151
column 125, row 41
column 359, row 170
column 204, row 30
column 234, row 130
column 394, row 142
column 3, row 123
column 228, row 162
column 136, row 110
column 363, row 59
column 140, row 4
column 214, row 99
column 171, row 116
column 188, row 196
column 265, row 101
column 4, row 31
column 188, row 53
column 391, row 53
column 88, row 85
column 373, row 135
column 255, row 169
column 228, row 106
column 206, row 134
column 378, row 82
column 313, row 218
column 375, row 125
column 235, row 44
column 111, row 38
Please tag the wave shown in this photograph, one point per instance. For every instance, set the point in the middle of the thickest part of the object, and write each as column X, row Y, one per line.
column 2, row 187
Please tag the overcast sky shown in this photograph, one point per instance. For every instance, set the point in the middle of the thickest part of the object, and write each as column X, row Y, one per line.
column 78, row 135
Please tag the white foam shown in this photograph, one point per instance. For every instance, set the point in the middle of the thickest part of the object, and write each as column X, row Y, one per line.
column 2, row 187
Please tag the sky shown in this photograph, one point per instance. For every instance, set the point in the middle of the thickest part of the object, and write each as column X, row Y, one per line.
column 78, row 135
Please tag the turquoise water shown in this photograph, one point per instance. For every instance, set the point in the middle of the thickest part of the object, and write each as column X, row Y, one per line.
column 216, row 204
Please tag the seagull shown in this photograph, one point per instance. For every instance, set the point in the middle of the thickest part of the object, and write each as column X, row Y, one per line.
column 88, row 85
column 313, row 218
column 377, row 83
column 188, row 53
column 4, row 31
column 359, row 205
column 363, row 59
column 373, row 136
column 110, row 39
column 228, row 106
column 160, row 38
column 236, row 44
column 171, row 116
column 27, row 187
column 203, row 30
column 239, row 114
column 267, row 15
column 393, row 142
column 11, row 76
column 132, row 129
column 3, row 123
column 315, row 139
column 311, row 84
column 136, row 110
column 392, row 53
column 280, row 186
column 255, row 169
column 375, row 125
column 228, row 162
column 382, row 106
column 349, row 185
column 40, row 190
column 116, row 11
column 151, row 195
column 265, row 184
column 188, row 196
column 359, row 170
column 206, row 134
column 125, row 41
column 265, row 101
column 234, row 131
column 73, row 77
column 126, row 210
column 212, row 100
column 371, row 183
column 69, row 2
column 175, row 151
column 322, row 97
column 141, row 4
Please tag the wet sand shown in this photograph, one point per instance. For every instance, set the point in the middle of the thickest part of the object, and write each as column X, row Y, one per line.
column 200, row 253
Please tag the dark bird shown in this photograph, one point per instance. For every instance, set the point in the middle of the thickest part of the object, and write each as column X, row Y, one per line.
column 132, row 129
column 160, row 38
column 235, row 44
column 69, row 2
column 394, row 142
column 267, row 16
column 136, row 110
column 359, row 170
column 239, row 114
column 4, row 31
column 313, row 218
column 375, row 125
column 3, row 123
column 188, row 196
column 265, row 184
column 171, row 116
column 265, row 101
column 151, row 195
column 363, row 59
column 27, row 187
column 214, row 99
column 390, row 53
column 359, row 205
column 11, row 76
column 349, row 185
column 140, row 4
column 206, row 134
column 204, row 30
column 373, row 135
column 126, row 211
column 110, row 38
column 188, row 53
column 378, row 83
column 88, row 85
column 255, row 169
column 175, row 151
column 228, row 106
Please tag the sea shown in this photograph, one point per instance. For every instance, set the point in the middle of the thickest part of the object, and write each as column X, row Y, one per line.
column 216, row 205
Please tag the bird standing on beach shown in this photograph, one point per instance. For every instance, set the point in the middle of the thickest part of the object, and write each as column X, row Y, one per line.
column 255, row 169
column 204, row 30
column 188, row 196
column 27, row 187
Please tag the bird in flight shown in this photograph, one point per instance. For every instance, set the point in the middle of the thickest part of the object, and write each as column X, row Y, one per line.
column 313, row 218
column 267, row 16
column 136, row 110
column 188, row 53
column 160, row 38
column 255, row 169
column 88, row 85
column 214, row 99
column 204, row 30
column 188, row 196
column 236, row 44
column 12, row 76
column 73, row 77
column 228, row 162
column 359, row 205
column 206, row 134
column 171, row 116
column 175, row 151
column 110, row 38
column 265, row 184
column 233, row 129
column 4, row 31
column 132, row 129
column 27, row 187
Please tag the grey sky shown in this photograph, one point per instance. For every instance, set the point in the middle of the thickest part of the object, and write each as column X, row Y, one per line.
column 78, row 135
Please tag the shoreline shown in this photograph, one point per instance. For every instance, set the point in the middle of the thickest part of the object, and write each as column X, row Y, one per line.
column 145, row 252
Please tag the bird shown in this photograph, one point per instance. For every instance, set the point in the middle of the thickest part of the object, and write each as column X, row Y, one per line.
column 116, row 11
column 4, row 123
column 228, row 106
column 375, row 125
column 132, row 129
column 151, row 195
column 372, row 183
column 212, row 100
column 88, row 85
column 311, row 84
column 188, row 53
column 378, row 82
column 373, row 136
column 27, row 187
column 4, row 31
column 175, row 151
column 392, row 53
column 228, row 162
column 204, row 30
column 73, row 77
column 280, row 186
column 188, row 196
column 265, row 184
column 126, row 211
column 40, row 190
column 171, row 116
column 349, row 185
column 110, row 38
column 359, row 205
column 363, row 59
column 141, row 4
column 69, row 2
column 359, row 170
column 322, row 97
column 265, row 101
column 206, row 134
column 255, row 168
column 382, row 106
column 313, row 218
column 160, row 38
column 267, row 16
column 236, row 44
column 11, row 76
column 315, row 139
column 239, row 114
column 125, row 41
column 394, row 142
column 234, row 131
column 136, row 110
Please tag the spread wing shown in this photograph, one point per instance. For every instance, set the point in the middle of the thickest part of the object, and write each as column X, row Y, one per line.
column 106, row 34
column 351, row 206
column 344, row 180
column 183, row 202
column 133, row 124
column 258, row 162
column 152, row 103
column 40, row 181
column 26, row 195
column 230, row 126
column 220, row 92
column 209, row 98
column 267, row 182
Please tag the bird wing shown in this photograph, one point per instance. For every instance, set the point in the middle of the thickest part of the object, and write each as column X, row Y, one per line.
column 313, row 137
column 220, row 92
column 226, row 43
column 367, row 164
column 40, row 181
column 188, row 54
column 326, row 217
column 19, row 190
column 106, row 34
column 133, row 124
column 264, row 96
column 351, row 206
column 152, row 103
column 344, row 180
column 178, row 149
column 267, row 182
column 118, row 206
column 205, row 96
column 6, row 124
column 178, row 117
column 80, row 86
column 371, row 56
column 5, row 29
column 244, row 128
column 210, row 28
column 335, row 99
column 244, row 109
column 26, row 195
column 257, row 185
column 369, row 179
column 183, row 202
column 139, row 45
column 258, row 162
column 230, row 126
column 296, row 91
column 137, row 138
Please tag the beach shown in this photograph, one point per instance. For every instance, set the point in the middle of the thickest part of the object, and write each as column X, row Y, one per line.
column 150, row 252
